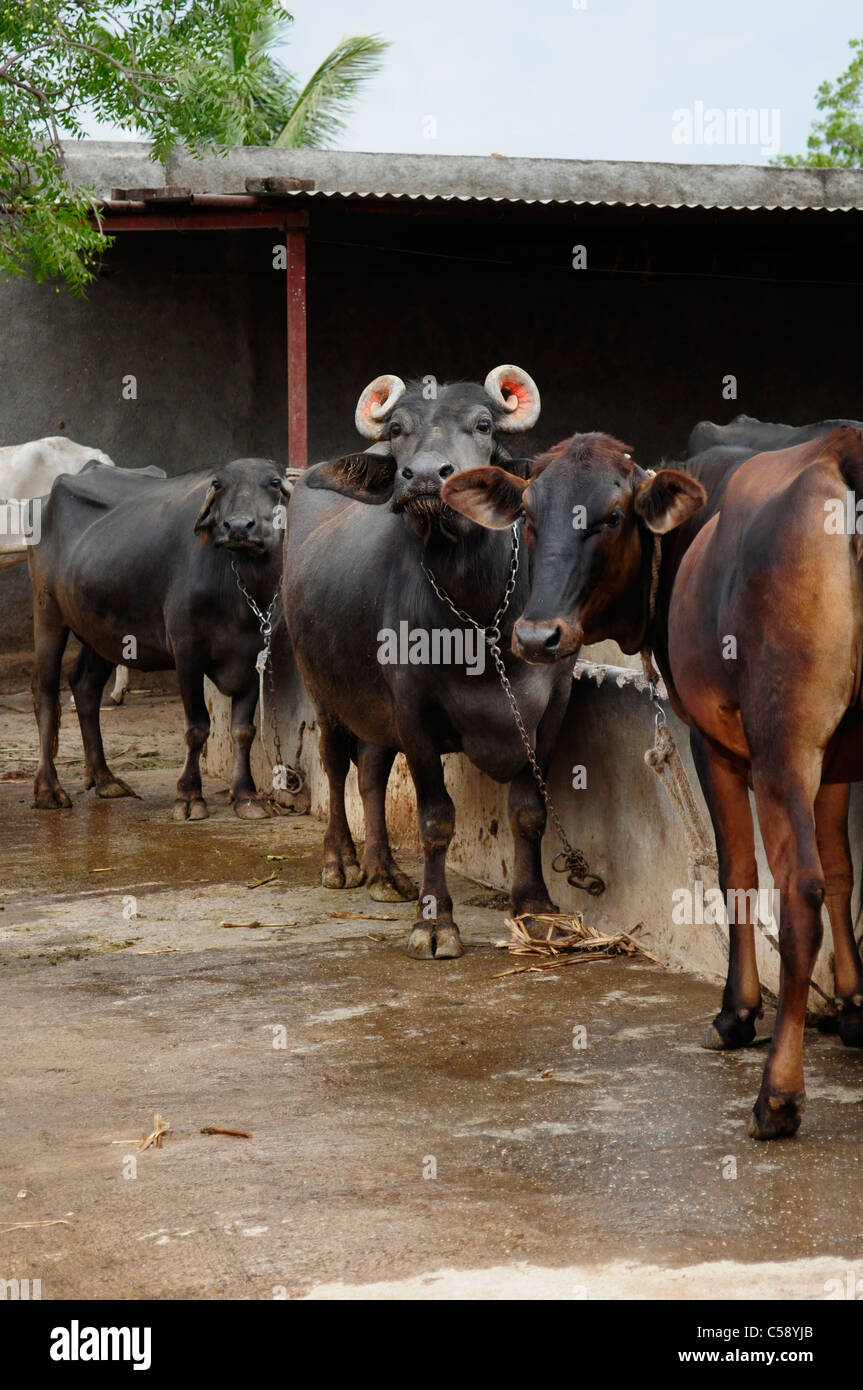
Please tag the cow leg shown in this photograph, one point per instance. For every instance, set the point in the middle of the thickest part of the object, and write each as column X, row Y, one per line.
column 87, row 682
column 247, row 803
column 50, row 638
column 727, row 795
column 831, row 829
column 785, row 799
column 190, row 803
column 121, row 685
column 435, row 935
column 341, row 866
column 527, row 817
column 386, row 882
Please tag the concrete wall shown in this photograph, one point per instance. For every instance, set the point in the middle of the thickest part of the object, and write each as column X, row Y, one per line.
column 622, row 820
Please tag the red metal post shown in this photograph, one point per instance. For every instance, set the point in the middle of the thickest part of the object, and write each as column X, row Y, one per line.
column 298, row 438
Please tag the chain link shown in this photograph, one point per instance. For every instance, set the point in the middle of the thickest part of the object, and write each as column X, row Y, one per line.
column 574, row 864
column 294, row 777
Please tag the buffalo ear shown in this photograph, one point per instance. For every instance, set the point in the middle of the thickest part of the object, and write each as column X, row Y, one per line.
column 367, row 477
column 489, row 496
column 205, row 520
column 667, row 499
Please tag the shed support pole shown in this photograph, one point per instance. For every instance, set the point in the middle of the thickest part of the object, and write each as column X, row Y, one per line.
column 298, row 440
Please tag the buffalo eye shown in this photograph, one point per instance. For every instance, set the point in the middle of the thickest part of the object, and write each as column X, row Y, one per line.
column 483, row 426
column 275, row 482
column 395, row 429
column 215, row 484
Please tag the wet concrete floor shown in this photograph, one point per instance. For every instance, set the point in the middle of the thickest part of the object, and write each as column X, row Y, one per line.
column 419, row 1129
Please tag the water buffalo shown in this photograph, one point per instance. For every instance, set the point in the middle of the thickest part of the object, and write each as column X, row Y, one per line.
column 149, row 570
column 26, row 472
column 778, row 708
column 759, row 436
column 372, row 636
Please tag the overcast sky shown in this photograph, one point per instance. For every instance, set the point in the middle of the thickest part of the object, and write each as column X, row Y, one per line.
column 549, row 78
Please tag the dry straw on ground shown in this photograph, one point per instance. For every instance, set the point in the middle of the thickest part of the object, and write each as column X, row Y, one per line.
column 563, row 938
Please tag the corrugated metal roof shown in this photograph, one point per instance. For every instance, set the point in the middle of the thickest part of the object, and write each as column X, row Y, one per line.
column 106, row 165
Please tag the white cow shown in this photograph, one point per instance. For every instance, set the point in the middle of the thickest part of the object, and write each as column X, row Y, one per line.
column 28, row 471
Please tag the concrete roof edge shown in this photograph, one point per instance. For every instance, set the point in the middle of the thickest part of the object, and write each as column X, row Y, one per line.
column 109, row 164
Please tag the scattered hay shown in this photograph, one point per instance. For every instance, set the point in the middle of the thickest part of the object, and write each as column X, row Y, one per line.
column 235, row 1133
column 259, row 882
column 563, row 938
column 255, row 924
column 160, row 1129
column 33, row 1225
column 365, row 917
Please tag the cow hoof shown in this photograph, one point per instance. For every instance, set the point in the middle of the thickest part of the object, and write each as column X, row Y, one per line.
column 116, row 788
column 428, row 942
column 422, row 942
column 730, row 1030
column 395, row 887
column 348, row 875
column 448, row 944
column 850, row 1019
column 251, row 809
column 51, row 799
column 194, row 808
column 776, row 1116
column 534, row 907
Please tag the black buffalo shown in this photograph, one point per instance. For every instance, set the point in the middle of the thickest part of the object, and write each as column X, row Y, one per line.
column 360, row 531
column 147, row 572
column 758, row 436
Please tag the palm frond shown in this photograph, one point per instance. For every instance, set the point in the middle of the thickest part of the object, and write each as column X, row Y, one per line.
column 317, row 117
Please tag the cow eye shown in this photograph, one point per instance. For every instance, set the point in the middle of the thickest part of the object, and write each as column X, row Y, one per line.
column 395, row 429
column 613, row 519
column 483, row 425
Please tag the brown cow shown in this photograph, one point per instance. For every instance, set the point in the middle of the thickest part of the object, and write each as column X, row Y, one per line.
column 778, row 709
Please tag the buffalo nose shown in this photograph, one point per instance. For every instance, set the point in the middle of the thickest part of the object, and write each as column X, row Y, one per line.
column 537, row 641
column 427, row 468
column 239, row 527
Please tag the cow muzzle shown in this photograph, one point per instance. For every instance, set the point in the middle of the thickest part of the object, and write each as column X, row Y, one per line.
column 424, row 475
column 240, row 533
column 542, row 643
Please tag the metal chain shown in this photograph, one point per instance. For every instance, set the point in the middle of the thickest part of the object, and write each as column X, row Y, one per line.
column 294, row 777
column 265, row 619
column 574, row 865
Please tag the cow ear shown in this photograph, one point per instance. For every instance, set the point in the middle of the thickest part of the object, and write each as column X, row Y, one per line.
column 365, row 477
column 205, row 520
column 489, row 496
column 667, row 499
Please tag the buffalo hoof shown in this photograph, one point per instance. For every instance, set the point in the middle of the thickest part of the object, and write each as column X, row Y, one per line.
column 850, row 1019
column 254, row 808
column 393, row 887
column 51, row 799
column 191, row 808
column 776, row 1116
column 428, row 942
column 116, row 788
column 346, row 875
column 534, row 907
column 730, row 1030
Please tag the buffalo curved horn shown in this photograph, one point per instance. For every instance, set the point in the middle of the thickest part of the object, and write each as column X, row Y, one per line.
column 518, row 394
column 376, row 402
column 204, row 514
